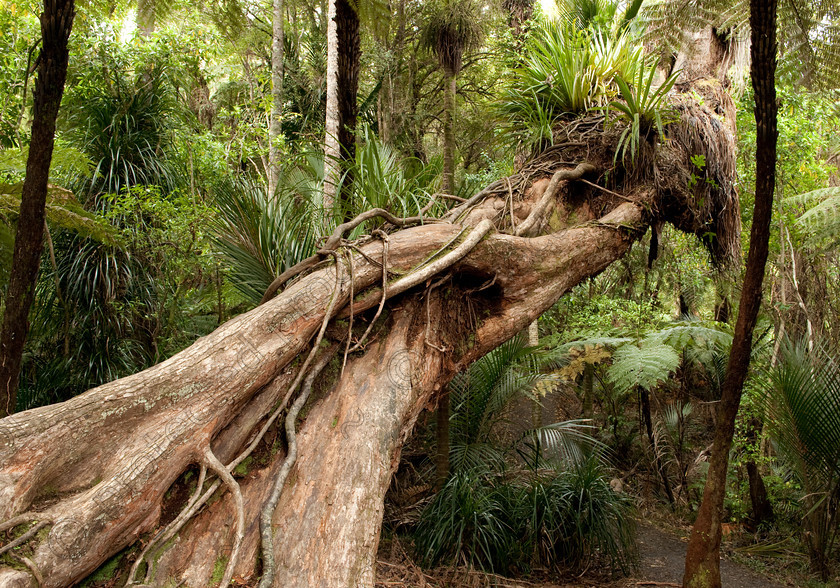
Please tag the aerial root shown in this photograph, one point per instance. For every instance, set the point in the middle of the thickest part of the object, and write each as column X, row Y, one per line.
column 433, row 268
column 214, row 465
column 167, row 532
column 334, row 241
column 539, row 210
column 36, row 573
column 270, row 505
column 24, row 538
column 26, row 517
column 384, row 236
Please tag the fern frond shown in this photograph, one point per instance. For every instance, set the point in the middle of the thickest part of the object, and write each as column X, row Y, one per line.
column 642, row 366
column 822, row 219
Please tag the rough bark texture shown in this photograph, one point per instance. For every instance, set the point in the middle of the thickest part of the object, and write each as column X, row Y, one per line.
column 448, row 183
column 349, row 62
column 56, row 23
column 702, row 567
column 275, row 128
column 108, row 467
column 332, row 151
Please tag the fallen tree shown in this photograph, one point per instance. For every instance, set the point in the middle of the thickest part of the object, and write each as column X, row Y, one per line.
column 185, row 461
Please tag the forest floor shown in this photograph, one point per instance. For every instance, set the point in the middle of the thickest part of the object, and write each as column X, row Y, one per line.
column 661, row 561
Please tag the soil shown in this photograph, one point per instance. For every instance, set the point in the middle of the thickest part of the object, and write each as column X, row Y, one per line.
column 662, row 557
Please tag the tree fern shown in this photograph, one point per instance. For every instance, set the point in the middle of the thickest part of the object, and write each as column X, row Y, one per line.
column 642, row 366
column 821, row 220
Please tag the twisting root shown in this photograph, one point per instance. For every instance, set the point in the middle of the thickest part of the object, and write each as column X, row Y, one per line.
column 27, row 517
column 459, row 210
column 271, row 504
column 538, row 212
column 266, row 532
column 287, row 275
column 167, row 532
column 435, row 267
column 32, row 567
column 24, row 538
column 334, row 240
column 382, row 300
column 214, row 465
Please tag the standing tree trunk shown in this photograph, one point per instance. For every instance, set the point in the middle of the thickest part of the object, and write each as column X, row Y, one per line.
column 275, row 127
column 448, row 184
column 332, row 150
column 343, row 63
column 702, row 564
column 56, row 23
column 349, row 63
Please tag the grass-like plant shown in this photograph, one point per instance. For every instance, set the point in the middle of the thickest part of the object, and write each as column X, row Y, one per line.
column 803, row 408
column 641, row 108
column 566, row 71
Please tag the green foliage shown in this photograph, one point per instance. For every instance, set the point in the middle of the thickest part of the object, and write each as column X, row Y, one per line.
column 642, row 366
column 384, row 179
column 803, row 406
column 122, row 109
column 821, row 221
column 570, row 516
column 480, row 395
column 18, row 51
column 109, row 309
column 642, row 108
column 451, row 29
column 556, row 518
column 465, row 523
column 566, row 71
column 262, row 236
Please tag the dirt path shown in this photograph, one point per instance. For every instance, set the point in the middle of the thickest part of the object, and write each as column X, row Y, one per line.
column 663, row 559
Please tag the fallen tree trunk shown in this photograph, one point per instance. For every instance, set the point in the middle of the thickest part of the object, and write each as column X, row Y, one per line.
column 82, row 480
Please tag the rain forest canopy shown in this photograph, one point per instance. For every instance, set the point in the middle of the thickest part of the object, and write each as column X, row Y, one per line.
column 364, row 293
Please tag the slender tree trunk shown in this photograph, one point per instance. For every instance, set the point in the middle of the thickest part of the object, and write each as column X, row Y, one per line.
column 146, row 17
column 349, row 63
column 702, row 565
column 56, row 23
column 442, row 440
column 275, row 128
column 449, row 89
column 332, row 150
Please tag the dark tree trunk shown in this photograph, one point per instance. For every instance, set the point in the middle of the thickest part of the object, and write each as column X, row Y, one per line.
column 702, row 564
column 349, row 63
column 761, row 507
column 442, row 438
column 56, row 22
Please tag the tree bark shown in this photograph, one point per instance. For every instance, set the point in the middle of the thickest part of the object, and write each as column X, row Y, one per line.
column 702, row 566
column 449, row 90
column 56, row 23
column 275, row 130
column 349, row 63
column 332, row 150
